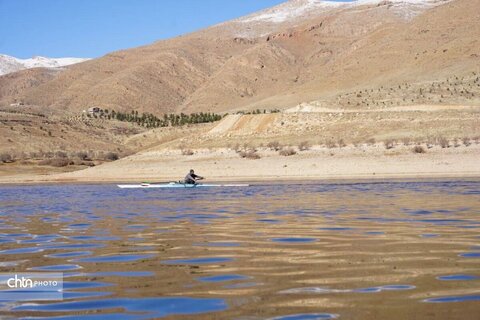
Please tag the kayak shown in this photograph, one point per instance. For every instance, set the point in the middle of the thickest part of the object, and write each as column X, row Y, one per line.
column 176, row 185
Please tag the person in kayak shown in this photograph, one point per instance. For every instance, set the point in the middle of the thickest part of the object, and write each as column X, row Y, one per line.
column 192, row 178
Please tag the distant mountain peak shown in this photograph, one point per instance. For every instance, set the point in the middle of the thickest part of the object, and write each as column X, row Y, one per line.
column 9, row 64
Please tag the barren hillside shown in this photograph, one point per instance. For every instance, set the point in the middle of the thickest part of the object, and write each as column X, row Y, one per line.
column 299, row 51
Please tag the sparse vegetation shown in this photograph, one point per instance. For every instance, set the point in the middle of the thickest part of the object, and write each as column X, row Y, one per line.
column 456, row 142
column 82, row 155
column 419, row 149
column 5, row 157
column 389, row 144
column 289, row 151
column 406, row 141
column 186, row 152
column 250, row 154
column 443, row 142
column 61, row 154
column 274, row 146
column 330, row 144
column 56, row 162
column 341, row 143
column 111, row 156
column 466, row 141
column 303, row 146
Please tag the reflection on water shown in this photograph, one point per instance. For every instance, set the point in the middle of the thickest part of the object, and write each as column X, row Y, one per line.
column 287, row 251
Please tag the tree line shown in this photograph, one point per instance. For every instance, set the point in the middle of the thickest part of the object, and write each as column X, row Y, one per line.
column 149, row 120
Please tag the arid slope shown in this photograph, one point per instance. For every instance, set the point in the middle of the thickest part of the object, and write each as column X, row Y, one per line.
column 258, row 61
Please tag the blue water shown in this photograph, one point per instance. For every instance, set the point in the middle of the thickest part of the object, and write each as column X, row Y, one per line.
column 229, row 253
column 116, row 258
column 458, row 277
column 223, row 278
column 154, row 307
column 294, row 240
column 307, row 316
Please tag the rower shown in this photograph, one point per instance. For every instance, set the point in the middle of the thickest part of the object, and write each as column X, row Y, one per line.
column 192, row 178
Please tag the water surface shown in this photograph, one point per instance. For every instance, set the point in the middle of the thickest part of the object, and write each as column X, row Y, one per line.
column 284, row 251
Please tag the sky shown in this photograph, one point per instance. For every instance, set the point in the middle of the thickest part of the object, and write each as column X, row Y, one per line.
column 92, row 28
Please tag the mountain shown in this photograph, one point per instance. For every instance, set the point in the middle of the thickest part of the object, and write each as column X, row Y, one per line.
column 10, row 64
column 299, row 51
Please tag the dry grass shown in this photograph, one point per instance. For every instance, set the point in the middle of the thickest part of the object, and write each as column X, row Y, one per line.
column 274, row 146
column 389, row 144
column 303, row 146
column 56, row 162
column 111, row 156
column 289, row 151
column 251, row 154
column 406, row 141
column 187, row 152
column 443, row 142
column 5, row 157
column 330, row 144
column 419, row 149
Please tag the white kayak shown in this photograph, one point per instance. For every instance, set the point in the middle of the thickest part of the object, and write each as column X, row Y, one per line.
column 176, row 185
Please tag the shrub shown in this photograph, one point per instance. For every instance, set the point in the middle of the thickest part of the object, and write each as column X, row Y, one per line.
column 466, row 141
column 82, row 155
column 60, row 154
column 303, row 146
column 48, row 155
column 274, row 145
column 419, row 149
column 330, row 144
column 287, row 152
column 443, row 142
column 249, row 155
column 187, row 152
column 456, row 143
column 56, row 162
column 252, row 155
column 431, row 141
column 111, row 156
column 406, row 141
column 45, row 162
column 5, row 157
column 59, row 162
column 389, row 144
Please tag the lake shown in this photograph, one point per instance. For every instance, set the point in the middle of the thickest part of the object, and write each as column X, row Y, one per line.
column 370, row 250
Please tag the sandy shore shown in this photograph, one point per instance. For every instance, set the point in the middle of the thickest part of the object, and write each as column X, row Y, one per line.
column 365, row 162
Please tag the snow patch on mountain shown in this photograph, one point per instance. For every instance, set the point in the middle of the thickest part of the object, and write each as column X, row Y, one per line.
column 9, row 64
column 298, row 8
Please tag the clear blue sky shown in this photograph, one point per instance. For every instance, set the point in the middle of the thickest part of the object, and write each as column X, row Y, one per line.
column 91, row 28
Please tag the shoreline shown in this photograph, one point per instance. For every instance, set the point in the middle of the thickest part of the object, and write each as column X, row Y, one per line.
column 394, row 178
column 224, row 165
column 324, row 179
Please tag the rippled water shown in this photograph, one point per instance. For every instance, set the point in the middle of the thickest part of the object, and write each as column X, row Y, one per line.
column 394, row 250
